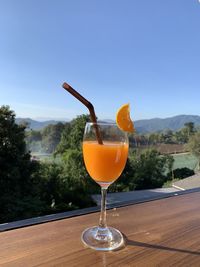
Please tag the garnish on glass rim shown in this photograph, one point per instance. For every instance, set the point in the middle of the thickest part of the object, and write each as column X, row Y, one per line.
column 123, row 119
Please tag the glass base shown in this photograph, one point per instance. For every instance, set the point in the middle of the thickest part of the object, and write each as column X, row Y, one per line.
column 104, row 239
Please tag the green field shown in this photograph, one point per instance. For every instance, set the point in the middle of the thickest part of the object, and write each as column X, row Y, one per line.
column 180, row 160
column 46, row 157
column 185, row 160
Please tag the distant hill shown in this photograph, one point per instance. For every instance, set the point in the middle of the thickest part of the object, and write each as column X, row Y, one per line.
column 142, row 126
column 36, row 125
column 173, row 123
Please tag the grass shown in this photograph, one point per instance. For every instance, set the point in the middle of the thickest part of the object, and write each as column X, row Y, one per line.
column 180, row 161
column 185, row 160
column 47, row 157
column 169, row 183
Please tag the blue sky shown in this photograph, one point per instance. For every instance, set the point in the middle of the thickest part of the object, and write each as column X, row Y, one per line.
column 143, row 52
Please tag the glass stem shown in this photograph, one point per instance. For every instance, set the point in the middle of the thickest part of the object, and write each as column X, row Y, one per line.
column 102, row 220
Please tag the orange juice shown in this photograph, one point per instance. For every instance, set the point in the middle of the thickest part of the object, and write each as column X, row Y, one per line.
column 106, row 162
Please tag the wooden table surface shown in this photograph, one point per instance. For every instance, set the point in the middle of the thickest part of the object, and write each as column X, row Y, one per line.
column 164, row 232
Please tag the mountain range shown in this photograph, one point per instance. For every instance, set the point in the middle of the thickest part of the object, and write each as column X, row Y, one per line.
column 34, row 124
column 142, row 126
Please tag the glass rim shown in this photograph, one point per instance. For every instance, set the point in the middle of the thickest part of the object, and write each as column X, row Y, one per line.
column 101, row 123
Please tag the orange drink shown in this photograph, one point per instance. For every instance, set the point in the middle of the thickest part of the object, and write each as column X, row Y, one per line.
column 106, row 162
column 105, row 151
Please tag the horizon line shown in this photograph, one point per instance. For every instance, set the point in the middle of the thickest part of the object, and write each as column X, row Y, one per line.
column 44, row 119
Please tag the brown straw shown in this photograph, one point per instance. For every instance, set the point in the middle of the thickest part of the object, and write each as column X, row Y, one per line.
column 88, row 105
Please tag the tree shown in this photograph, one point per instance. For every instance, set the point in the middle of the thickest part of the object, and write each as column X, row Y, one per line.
column 194, row 145
column 64, row 143
column 77, row 131
column 126, row 180
column 18, row 185
column 51, row 136
column 150, row 169
column 70, row 149
column 154, row 138
column 72, row 135
column 75, row 172
column 33, row 136
column 181, row 173
column 167, row 136
column 190, row 128
column 179, row 137
column 182, row 136
column 33, row 140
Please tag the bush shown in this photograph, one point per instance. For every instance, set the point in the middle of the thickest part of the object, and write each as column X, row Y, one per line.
column 182, row 173
column 145, row 171
column 60, row 191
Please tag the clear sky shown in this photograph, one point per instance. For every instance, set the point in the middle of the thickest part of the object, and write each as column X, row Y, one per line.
column 145, row 52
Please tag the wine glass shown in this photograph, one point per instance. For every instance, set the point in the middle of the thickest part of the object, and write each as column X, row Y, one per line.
column 105, row 155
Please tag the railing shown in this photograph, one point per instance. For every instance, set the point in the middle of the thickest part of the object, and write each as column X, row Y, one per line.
column 163, row 232
column 68, row 214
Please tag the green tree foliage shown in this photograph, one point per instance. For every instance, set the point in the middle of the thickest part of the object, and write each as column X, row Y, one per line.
column 64, row 143
column 33, row 136
column 30, row 188
column 77, row 130
column 51, row 136
column 167, row 137
column 68, row 184
column 70, row 149
column 76, row 173
column 72, row 135
column 126, row 180
column 190, row 128
column 183, row 135
column 144, row 171
column 74, row 166
column 33, row 140
column 194, row 145
column 154, row 138
column 150, row 170
column 59, row 191
column 181, row 173
column 180, row 137
column 18, row 185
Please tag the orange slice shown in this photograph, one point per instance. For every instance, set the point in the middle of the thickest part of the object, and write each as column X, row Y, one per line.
column 123, row 119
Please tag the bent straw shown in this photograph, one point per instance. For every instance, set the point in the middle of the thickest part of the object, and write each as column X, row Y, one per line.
column 90, row 107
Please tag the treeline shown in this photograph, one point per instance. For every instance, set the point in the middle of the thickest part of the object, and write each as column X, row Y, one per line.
column 48, row 139
column 31, row 188
column 167, row 136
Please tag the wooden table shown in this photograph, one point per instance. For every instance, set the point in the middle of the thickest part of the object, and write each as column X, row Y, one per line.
column 163, row 232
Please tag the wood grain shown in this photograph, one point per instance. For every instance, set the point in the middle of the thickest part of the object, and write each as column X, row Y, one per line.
column 158, row 233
